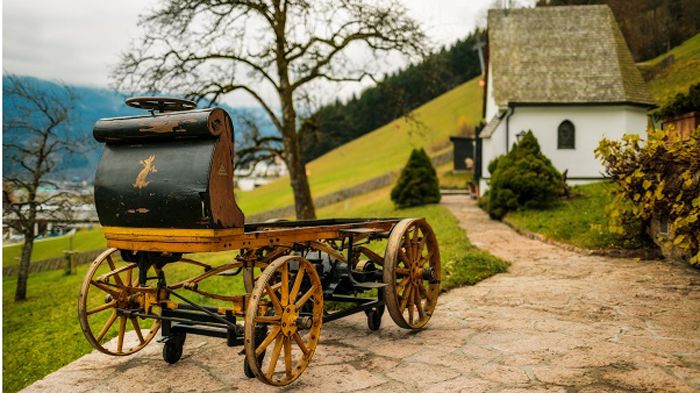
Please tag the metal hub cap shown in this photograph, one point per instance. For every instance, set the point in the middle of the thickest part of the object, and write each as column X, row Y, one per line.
column 416, row 273
column 289, row 320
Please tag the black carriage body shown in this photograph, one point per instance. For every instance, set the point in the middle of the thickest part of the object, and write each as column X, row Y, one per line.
column 171, row 170
column 177, row 199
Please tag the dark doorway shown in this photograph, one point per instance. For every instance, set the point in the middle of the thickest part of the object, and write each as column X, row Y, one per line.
column 463, row 148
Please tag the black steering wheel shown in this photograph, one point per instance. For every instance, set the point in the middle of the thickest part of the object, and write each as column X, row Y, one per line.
column 161, row 104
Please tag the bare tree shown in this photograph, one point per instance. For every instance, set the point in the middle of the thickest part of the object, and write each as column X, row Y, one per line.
column 253, row 146
column 35, row 126
column 211, row 48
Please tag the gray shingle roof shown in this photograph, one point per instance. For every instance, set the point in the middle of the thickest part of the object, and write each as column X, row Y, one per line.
column 570, row 54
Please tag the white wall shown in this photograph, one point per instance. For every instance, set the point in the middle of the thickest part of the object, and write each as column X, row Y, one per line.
column 592, row 123
column 491, row 108
column 491, row 148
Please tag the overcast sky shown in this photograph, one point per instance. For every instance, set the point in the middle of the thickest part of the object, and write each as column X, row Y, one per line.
column 78, row 41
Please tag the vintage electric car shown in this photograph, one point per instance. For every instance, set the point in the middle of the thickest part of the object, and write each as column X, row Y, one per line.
column 164, row 195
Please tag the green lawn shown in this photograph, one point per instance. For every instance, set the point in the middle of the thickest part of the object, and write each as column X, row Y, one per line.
column 580, row 221
column 42, row 334
column 84, row 240
column 678, row 77
column 379, row 152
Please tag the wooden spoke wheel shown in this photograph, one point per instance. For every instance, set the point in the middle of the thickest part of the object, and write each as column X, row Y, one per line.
column 288, row 301
column 109, row 289
column 412, row 273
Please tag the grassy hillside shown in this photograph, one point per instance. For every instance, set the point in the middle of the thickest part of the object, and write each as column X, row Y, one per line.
column 383, row 150
column 86, row 240
column 676, row 77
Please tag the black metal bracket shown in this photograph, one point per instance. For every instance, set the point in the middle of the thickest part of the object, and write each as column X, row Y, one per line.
column 214, row 315
column 363, row 304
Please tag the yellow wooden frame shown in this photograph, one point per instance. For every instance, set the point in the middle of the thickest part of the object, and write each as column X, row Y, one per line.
column 212, row 240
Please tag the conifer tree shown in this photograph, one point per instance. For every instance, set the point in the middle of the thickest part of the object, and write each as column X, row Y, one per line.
column 418, row 183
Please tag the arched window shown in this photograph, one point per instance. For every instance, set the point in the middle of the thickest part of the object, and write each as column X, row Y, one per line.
column 566, row 135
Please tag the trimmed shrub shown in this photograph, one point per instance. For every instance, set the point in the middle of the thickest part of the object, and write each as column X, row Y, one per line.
column 659, row 182
column 523, row 178
column 418, row 183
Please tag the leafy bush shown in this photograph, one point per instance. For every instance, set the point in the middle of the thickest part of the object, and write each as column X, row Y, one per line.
column 659, row 180
column 522, row 178
column 682, row 104
column 483, row 202
column 622, row 222
column 418, row 183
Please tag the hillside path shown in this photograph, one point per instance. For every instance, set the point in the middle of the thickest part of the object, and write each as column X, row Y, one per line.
column 556, row 322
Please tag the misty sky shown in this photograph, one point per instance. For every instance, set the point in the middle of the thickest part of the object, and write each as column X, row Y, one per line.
column 78, row 41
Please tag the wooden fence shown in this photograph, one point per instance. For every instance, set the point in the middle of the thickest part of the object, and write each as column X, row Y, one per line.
column 53, row 263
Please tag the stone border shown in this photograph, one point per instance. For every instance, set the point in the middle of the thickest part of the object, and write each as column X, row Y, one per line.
column 641, row 253
column 329, row 199
column 346, row 193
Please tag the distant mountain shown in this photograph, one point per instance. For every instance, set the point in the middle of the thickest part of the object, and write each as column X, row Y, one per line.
column 94, row 104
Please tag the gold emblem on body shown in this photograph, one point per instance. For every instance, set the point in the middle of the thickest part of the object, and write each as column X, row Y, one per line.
column 148, row 167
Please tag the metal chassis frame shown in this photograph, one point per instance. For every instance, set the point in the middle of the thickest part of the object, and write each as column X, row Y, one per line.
column 207, row 321
column 193, row 318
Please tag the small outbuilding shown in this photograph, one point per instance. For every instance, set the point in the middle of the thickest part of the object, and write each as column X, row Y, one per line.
column 463, row 148
column 565, row 73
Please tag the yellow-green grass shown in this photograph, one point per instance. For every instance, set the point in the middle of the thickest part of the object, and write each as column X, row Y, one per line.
column 450, row 179
column 581, row 220
column 379, row 152
column 42, row 333
column 83, row 240
column 679, row 76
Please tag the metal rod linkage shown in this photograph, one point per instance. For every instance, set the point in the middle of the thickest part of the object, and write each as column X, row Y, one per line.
column 216, row 316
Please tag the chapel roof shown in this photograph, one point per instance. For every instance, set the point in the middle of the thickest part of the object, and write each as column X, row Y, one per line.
column 567, row 54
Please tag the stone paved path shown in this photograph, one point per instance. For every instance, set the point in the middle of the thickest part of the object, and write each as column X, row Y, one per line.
column 556, row 322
